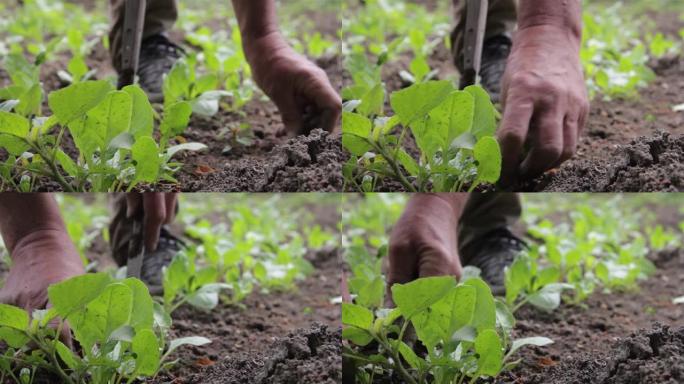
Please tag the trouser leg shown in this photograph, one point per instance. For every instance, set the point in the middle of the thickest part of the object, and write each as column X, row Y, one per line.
column 483, row 213
column 159, row 18
column 501, row 19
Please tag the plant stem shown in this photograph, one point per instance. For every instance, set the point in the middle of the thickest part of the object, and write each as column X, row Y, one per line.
column 395, row 167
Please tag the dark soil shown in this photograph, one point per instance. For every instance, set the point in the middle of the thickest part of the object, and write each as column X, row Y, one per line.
column 256, row 333
column 305, row 356
column 273, row 163
column 602, row 339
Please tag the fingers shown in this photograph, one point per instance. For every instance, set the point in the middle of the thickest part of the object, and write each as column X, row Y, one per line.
column 154, row 208
column 512, row 134
column 171, row 205
column 546, row 144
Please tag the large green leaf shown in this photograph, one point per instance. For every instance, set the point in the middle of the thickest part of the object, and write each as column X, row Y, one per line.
column 487, row 153
column 13, row 317
column 484, row 122
column 417, row 100
column 75, row 293
column 418, row 295
column 355, row 130
column 484, row 316
column 441, row 319
column 176, row 119
column 142, row 119
column 145, row 153
column 357, row 316
column 75, row 100
column 147, row 354
column 490, row 353
column 14, row 124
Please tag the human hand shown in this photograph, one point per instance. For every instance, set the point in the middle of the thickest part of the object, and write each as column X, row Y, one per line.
column 545, row 102
column 423, row 242
column 155, row 209
column 300, row 89
column 40, row 259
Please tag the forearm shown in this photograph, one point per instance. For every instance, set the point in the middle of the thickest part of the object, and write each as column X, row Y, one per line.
column 257, row 18
column 23, row 215
column 451, row 204
column 566, row 14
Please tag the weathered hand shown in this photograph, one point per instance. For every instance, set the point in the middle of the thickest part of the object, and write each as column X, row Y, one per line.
column 39, row 259
column 156, row 209
column 300, row 89
column 423, row 242
column 545, row 102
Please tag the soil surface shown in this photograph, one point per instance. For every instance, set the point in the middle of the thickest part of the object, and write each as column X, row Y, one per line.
column 272, row 163
column 618, row 337
column 610, row 156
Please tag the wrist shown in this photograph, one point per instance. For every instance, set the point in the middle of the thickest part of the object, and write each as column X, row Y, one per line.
column 565, row 16
column 49, row 245
column 258, row 47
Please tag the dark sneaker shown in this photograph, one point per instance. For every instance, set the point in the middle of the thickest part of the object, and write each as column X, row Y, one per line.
column 494, row 56
column 154, row 262
column 157, row 56
column 492, row 254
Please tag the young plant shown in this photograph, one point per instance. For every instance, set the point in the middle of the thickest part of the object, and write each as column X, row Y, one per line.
column 112, row 131
column 454, row 132
column 182, row 84
column 465, row 332
column 527, row 282
column 123, row 334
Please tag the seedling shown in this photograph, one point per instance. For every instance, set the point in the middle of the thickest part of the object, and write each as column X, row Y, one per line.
column 463, row 328
column 122, row 332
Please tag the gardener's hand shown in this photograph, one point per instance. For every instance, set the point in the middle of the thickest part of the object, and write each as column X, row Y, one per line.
column 544, row 98
column 156, row 209
column 423, row 242
column 300, row 89
column 39, row 259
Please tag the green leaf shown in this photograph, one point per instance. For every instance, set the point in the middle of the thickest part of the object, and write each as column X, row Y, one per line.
column 490, row 353
column 67, row 355
column 408, row 162
column 142, row 314
column 355, row 130
column 484, row 316
column 102, row 316
column 13, row 124
column 176, row 119
column 536, row 341
column 75, row 293
column 67, row 163
column 372, row 102
column 75, row 100
column 142, row 119
column 407, row 353
column 453, row 117
column 14, row 145
column 145, row 153
column 487, row 153
column 357, row 336
column 147, row 355
column 207, row 297
column 193, row 147
column 485, row 114
column 190, row 340
column 504, row 316
column 549, row 297
column 441, row 319
column 417, row 100
column 357, row 316
column 517, row 278
column 13, row 337
column 13, row 317
column 418, row 295
column 30, row 101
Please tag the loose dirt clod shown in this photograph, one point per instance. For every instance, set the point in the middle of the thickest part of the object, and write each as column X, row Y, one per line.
column 305, row 356
column 647, row 164
column 646, row 356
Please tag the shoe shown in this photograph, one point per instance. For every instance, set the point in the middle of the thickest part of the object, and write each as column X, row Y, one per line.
column 495, row 54
column 492, row 254
column 154, row 262
column 157, row 56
